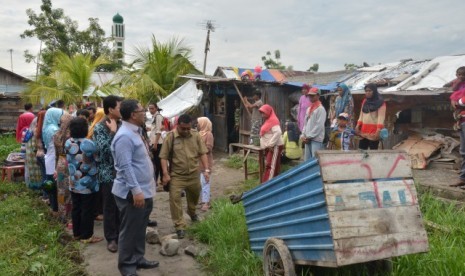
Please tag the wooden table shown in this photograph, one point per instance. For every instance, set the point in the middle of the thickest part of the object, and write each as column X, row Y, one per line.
column 9, row 171
column 247, row 149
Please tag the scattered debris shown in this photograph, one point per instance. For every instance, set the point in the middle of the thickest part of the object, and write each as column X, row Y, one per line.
column 191, row 251
column 424, row 150
column 169, row 247
column 435, row 226
column 152, row 236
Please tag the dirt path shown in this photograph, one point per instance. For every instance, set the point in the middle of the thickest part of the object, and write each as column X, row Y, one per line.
column 99, row 261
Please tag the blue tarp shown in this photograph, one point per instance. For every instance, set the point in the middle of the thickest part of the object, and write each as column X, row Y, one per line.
column 328, row 87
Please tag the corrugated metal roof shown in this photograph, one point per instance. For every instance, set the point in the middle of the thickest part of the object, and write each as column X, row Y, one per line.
column 424, row 74
column 433, row 74
column 14, row 74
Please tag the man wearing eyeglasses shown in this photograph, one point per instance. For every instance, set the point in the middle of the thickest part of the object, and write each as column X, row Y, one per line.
column 133, row 188
column 182, row 148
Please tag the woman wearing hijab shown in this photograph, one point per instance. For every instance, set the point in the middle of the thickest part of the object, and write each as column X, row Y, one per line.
column 371, row 119
column 205, row 130
column 62, row 174
column 99, row 114
column 344, row 103
column 32, row 172
column 291, row 148
column 51, row 126
column 304, row 104
column 272, row 141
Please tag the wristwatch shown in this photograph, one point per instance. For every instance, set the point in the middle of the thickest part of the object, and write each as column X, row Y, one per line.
column 207, row 171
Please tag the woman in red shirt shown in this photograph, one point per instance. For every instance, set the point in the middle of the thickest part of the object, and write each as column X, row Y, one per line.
column 371, row 119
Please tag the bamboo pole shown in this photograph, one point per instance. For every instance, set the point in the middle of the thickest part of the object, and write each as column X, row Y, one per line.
column 242, row 98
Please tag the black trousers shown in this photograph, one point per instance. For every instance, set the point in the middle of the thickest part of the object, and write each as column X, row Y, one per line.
column 131, row 244
column 98, row 210
column 157, row 164
column 111, row 219
column 365, row 144
column 52, row 194
column 82, row 215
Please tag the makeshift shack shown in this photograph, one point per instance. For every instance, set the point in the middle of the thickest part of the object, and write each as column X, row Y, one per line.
column 11, row 85
column 417, row 104
column 279, row 88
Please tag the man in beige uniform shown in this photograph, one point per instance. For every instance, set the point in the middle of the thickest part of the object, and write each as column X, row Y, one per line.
column 182, row 148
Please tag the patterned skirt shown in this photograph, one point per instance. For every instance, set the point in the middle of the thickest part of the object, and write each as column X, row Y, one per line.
column 64, row 196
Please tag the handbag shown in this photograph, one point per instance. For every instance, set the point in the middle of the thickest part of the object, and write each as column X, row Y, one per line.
column 27, row 136
column 383, row 134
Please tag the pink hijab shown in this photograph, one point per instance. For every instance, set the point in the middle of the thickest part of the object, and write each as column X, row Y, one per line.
column 204, row 125
column 271, row 121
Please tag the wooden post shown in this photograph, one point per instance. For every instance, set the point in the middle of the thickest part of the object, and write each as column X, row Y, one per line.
column 242, row 98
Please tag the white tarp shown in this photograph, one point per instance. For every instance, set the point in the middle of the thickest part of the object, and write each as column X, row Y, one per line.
column 181, row 100
column 440, row 75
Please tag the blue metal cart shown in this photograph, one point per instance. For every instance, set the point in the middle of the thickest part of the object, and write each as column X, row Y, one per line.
column 339, row 209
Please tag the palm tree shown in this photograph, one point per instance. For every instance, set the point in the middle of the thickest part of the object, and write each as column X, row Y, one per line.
column 69, row 80
column 155, row 71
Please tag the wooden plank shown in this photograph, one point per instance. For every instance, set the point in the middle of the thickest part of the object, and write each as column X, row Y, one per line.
column 379, row 221
column 364, row 249
column 363, row 195
column 353, row 165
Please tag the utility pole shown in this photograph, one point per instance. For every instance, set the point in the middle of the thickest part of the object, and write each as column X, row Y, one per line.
column 11, row 58
column 210, row 28
column 38, row 60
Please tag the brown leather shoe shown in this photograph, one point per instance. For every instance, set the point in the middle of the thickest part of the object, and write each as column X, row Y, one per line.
column 459, row 184
column 112, row 247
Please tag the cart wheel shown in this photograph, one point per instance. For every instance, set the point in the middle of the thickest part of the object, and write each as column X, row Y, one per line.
column 277, row 260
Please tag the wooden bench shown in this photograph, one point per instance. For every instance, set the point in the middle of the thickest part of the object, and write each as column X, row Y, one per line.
column 8, row 172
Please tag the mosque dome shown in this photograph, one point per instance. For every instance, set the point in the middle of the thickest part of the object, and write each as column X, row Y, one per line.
column 118, row 19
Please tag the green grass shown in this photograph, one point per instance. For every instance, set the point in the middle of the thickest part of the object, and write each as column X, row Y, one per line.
column 31, row 242
column 446, row 245
column 8, row 144
column 235, row 161
column 225, row 232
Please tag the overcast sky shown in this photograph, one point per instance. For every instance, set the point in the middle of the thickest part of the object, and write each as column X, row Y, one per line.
column 328, row 32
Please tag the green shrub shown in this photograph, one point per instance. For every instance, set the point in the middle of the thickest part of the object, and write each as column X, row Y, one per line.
column 8, row 145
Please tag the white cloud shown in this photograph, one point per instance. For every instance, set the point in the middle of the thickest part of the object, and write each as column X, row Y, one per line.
column 330, row 33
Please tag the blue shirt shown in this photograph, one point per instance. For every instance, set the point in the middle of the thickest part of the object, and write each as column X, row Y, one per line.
column 134, row 169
